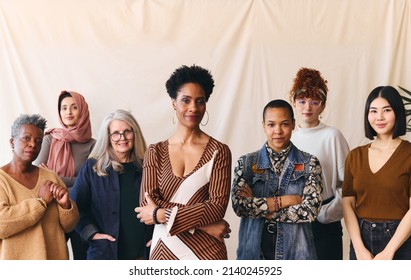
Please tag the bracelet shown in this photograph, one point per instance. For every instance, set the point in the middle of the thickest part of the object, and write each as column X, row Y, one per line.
column 276, row 206
column 280, row 203
column 42, row 201
column 155, row 215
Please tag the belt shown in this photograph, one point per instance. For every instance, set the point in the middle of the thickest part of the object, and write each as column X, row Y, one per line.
column 271, row 227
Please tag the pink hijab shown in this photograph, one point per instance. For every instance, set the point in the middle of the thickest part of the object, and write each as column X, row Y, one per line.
column 60, row 157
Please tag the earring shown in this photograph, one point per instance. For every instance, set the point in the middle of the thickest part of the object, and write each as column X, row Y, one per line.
column 174, row 120
column 208, row 118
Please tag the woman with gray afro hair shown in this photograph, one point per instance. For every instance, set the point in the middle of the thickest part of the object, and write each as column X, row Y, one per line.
column 23, row 119
column 35, row 208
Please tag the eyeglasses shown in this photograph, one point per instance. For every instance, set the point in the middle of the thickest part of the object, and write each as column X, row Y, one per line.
column 313, row 103
column 116, row 136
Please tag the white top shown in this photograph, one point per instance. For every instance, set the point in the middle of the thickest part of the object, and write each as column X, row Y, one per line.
column 331, row 148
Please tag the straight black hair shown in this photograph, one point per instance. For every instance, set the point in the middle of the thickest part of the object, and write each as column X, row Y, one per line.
column 394, row 99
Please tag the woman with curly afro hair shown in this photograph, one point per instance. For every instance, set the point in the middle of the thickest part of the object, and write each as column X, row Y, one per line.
column 186, row 178
column 308, row 96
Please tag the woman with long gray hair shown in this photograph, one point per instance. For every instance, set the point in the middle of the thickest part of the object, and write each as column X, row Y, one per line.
column 107, row 190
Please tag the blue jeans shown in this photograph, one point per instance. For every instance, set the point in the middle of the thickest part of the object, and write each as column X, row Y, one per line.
column 376, row 236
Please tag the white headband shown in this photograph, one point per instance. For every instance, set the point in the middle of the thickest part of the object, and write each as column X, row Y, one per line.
column 303, row 89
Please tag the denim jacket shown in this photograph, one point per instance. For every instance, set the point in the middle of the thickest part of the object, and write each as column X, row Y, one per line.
column 294, row 235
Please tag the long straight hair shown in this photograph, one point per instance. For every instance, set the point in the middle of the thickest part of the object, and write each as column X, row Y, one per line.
column 103, row 152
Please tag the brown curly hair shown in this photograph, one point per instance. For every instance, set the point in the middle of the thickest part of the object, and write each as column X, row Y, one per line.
column 309, row 83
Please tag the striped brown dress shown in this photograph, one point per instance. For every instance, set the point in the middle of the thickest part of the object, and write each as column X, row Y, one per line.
column 190, row 202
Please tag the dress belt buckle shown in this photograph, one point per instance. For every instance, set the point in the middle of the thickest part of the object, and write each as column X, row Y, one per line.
column 271, row 228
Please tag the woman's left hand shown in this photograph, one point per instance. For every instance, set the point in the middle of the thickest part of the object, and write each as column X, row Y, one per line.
column 220, row 229
column 61, row 195
column 384, row 255
column 145, row 213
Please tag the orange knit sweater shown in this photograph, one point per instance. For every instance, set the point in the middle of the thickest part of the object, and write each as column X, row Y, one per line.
column 28, row 231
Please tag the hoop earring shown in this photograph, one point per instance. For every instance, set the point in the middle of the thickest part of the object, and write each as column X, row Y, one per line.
column 208, row 118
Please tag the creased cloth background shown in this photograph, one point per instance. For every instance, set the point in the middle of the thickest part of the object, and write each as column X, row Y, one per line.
column 120, row 53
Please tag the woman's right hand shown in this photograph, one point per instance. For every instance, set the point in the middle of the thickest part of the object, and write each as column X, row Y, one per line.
column 103, row 236
column 363, row 254
column 45, row 192
column 245, row 191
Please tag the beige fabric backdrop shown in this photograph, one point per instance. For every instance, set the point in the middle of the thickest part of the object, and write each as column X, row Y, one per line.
column 119, row 53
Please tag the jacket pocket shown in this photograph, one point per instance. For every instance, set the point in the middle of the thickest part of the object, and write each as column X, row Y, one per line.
column 296, row 183
column 263, row 185
column 102, row 249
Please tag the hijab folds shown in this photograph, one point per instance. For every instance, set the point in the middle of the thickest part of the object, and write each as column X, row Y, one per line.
column 60, row 157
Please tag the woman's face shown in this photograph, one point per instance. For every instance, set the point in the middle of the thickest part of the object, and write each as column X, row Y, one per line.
column 278, row 126
column 381, row 116
column 121, row 139
column 190, row 105
column 69, row 112
column 308, row 111
column 26, row 146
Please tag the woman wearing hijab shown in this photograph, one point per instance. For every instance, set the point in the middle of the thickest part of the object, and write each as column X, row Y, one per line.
column 65, row 149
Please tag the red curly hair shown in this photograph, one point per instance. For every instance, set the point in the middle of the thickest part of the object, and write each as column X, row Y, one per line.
column 309, row 83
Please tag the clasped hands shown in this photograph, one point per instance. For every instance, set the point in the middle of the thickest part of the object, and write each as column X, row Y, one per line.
column 50, row 190
column 220, row 229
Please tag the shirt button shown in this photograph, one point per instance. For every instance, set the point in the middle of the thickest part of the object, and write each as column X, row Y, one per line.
column 373, row 225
